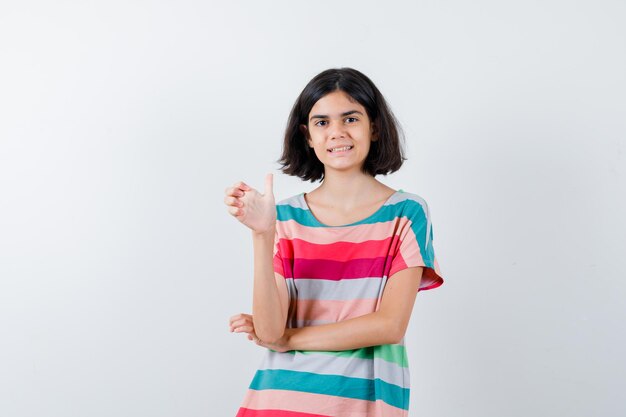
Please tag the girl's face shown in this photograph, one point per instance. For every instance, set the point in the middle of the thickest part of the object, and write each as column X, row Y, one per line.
column 339, row 131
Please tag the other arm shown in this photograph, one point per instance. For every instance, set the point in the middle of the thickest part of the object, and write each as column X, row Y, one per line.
column 385, row 326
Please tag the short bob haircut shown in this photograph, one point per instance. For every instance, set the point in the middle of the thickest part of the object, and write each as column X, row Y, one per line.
column 386, row 153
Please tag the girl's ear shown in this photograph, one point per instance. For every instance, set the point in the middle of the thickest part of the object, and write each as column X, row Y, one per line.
column 374, row 132
column 305, row 132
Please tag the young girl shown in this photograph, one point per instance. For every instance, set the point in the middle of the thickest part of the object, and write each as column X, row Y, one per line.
column 336, row 270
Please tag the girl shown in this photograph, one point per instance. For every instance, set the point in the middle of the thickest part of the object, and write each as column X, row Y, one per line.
column 336, row 270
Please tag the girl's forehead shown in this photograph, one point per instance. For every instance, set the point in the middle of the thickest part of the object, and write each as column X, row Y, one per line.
column 336, row 102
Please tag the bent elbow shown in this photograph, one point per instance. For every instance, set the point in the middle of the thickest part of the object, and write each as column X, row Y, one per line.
column 270, row 336
column 394, row 339
column 394, row 334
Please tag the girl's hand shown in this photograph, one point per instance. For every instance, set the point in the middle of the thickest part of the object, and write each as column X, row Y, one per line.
column 244, row 323
column 255, row 210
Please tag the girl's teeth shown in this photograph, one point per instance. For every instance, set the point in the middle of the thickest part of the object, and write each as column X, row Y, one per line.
column 345, row 148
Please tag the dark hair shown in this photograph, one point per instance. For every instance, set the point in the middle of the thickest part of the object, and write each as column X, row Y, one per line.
column 386, row 154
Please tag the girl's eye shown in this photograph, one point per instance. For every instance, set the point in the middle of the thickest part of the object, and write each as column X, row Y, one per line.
column 325, row 122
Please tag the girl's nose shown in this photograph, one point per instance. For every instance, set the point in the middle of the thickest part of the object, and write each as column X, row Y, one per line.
column 337, row 130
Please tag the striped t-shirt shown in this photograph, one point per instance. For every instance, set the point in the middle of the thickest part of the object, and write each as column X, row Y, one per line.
column 334, row 273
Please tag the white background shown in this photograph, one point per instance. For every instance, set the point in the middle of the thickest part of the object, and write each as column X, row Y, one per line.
column 121, row 123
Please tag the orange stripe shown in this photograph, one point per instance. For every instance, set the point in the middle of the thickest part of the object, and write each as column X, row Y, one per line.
column 291, row 229
column 305, row 402
column 410, row 249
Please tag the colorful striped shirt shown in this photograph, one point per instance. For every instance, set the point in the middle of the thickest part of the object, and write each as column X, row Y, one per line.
column 334, row 273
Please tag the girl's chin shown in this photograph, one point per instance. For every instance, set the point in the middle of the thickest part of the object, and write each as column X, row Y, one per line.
column 348, row 166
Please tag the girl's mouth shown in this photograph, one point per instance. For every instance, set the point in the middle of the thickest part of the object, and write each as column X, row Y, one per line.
column 340, row 149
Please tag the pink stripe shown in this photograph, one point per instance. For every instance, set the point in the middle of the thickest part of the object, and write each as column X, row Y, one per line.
column 279, row 266
column 334, row 310
column 410, row 255
column 291, row 229
column 305, row 402
column 410, row 250
column 247, row 412
column 430, row 279
column 338, row 251
column 437, row 267
column 335, row 270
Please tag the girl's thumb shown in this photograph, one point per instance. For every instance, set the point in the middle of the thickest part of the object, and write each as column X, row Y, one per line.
column 269, row 184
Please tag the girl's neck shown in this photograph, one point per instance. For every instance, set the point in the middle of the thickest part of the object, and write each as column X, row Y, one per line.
column 349, row 189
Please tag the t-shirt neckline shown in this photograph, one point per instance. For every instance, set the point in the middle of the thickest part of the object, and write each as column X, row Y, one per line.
column 319, row 223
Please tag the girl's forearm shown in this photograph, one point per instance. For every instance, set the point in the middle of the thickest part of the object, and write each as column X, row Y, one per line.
column 367, row 330
column 269, row 320
column 385, row 326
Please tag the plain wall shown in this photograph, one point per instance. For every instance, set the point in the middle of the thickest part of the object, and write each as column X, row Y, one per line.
column 122, row 122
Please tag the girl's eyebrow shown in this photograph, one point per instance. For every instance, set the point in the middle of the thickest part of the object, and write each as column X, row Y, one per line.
column 323, row 116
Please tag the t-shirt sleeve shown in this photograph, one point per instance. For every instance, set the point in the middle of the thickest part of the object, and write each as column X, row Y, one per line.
column 415, row 235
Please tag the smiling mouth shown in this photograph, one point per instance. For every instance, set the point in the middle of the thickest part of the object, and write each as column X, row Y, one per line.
column 341, row 149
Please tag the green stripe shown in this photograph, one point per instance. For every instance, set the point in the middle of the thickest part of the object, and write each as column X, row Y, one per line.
column 304, row 217
column 336, row 385
column 390, row 353
column 384, row 214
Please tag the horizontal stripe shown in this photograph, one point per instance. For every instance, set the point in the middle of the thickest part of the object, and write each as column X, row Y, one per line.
column 390, row 353
column 339, row 290
column 299, row 201
column 333, row 270
column 292, row 290
column 290, row 229
column 361, row 288
column 302, row 214
column 340, row 386
column 334, row 310
column 409, row 211
column 429, row 280
column 296, row 201
column 248, row 412
column 408, row 255
column 319, row 263
column 338, row 251
column 306, row 402
column 335, row 365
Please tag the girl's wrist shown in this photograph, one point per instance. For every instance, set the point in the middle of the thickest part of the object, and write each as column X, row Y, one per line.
column 267, row 234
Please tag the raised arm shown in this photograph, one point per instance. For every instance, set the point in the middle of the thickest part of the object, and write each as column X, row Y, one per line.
column 270, row 300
